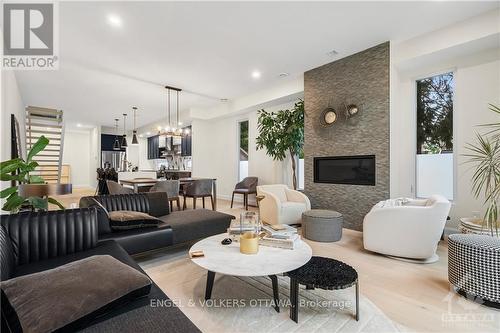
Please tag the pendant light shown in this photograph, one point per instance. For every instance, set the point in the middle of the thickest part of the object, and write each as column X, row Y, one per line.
column 134, row 135
column 116, row 144
column 124, row 139
column 169, row 127
column 178, row 131
column 172, row 130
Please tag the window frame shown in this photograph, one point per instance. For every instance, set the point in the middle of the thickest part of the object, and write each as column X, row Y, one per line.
column 238, row 137
column 415, row 125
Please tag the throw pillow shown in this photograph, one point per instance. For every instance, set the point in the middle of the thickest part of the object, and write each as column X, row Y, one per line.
column 69, row 297
column 125, row 219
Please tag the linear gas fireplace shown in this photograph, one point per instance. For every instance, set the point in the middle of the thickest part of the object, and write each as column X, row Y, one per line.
column 352, row 170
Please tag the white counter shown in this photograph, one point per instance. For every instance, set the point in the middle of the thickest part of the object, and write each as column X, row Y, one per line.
column 125, row 175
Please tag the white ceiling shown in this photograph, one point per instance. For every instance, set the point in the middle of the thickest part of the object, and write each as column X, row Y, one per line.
column 210, row 49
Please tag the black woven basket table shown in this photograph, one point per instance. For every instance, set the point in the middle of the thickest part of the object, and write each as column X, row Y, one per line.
column 323, row 273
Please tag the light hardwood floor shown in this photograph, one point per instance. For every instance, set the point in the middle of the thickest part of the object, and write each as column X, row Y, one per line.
column 418, row 297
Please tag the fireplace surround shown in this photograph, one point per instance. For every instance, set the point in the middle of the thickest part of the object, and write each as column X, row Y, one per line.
column 361, row 79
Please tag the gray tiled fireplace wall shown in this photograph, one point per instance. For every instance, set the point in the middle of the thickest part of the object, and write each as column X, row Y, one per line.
column 361, row 79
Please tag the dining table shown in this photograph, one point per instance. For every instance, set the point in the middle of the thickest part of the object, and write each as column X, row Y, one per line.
column 137, row 183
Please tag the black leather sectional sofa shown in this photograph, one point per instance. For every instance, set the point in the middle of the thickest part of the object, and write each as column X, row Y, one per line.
column 34, row 242
column 175, row 227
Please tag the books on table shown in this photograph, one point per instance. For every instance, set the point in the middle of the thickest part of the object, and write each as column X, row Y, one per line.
column 283, row 232
column 289, row 243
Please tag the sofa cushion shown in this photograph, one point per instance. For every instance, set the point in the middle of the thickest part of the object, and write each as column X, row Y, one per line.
column 103, row 247
column 153, row 203
column 71, row 295
column 135, row 241
column 194, row 224
column 6, row 256
column 38, row 236
column 126, row 220
column 135, row 316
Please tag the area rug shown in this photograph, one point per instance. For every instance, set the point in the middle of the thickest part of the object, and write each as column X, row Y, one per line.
column 243, row 304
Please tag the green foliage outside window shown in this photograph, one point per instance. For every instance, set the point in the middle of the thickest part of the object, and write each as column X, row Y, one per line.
column 435, row 114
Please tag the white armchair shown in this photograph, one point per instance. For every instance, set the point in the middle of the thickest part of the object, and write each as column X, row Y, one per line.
column 282, row 205
column 409, row 231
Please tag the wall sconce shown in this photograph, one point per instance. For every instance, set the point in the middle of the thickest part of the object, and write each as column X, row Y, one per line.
column 328, row 117
column 351, row 110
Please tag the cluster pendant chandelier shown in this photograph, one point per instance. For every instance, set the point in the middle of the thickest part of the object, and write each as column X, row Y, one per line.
column 173, row 130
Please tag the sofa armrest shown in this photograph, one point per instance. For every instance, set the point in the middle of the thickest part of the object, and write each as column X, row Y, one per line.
column 297, row 196
column 44, row 235
column 269, row 207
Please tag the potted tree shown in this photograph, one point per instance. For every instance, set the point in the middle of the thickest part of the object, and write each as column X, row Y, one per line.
column 282, row 133
column 31, row 193
column 485, row 156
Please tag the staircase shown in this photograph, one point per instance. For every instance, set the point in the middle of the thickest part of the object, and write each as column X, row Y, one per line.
column 49, row 123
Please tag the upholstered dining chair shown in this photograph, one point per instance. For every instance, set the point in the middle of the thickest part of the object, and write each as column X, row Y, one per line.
column 115, row 188
column 246, row 186
column 171, row 187
column 200, row 188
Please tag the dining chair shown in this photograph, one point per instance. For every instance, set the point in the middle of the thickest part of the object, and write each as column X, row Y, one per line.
column 171, row 187
column 115, row 188
column 200, row 188
column 246, row 186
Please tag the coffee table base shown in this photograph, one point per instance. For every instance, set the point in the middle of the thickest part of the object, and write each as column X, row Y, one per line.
column 274, row 280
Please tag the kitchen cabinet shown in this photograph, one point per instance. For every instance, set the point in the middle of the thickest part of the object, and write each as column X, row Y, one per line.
column 154, row 147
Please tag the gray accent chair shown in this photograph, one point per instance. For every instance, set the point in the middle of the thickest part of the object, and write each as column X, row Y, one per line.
column 115, row 188
column 246, row 186
column 200, row 188
column 171, row 187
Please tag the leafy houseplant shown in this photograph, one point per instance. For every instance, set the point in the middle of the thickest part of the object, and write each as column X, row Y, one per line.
column 19, row 170
column 282, row 132
column 485, row 155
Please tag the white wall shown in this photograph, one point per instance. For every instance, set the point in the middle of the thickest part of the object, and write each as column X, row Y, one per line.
column 94, row 155
column 11, row 103
column 215, row 152
column 476, row 67
column 77, row 153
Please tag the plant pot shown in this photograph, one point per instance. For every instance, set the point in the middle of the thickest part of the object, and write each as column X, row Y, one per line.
column 43, row 190
column 473, row 225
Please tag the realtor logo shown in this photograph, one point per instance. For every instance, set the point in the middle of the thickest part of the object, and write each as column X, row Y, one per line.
column 29, row 36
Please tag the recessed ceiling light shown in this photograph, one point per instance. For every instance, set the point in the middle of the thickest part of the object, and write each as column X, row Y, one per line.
column 332, row 53
column 148, row 133
column 78, row 125
column 256, row 74
column 284, row 74
column 114, row 20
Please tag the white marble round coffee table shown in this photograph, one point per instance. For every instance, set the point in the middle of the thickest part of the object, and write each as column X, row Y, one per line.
column 228, row 260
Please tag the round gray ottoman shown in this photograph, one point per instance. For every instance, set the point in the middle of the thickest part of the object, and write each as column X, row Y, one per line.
column 322, row 225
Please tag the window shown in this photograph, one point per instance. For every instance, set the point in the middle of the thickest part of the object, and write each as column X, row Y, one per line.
column 300, row 171
column 434, row 161
column 243, row 150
